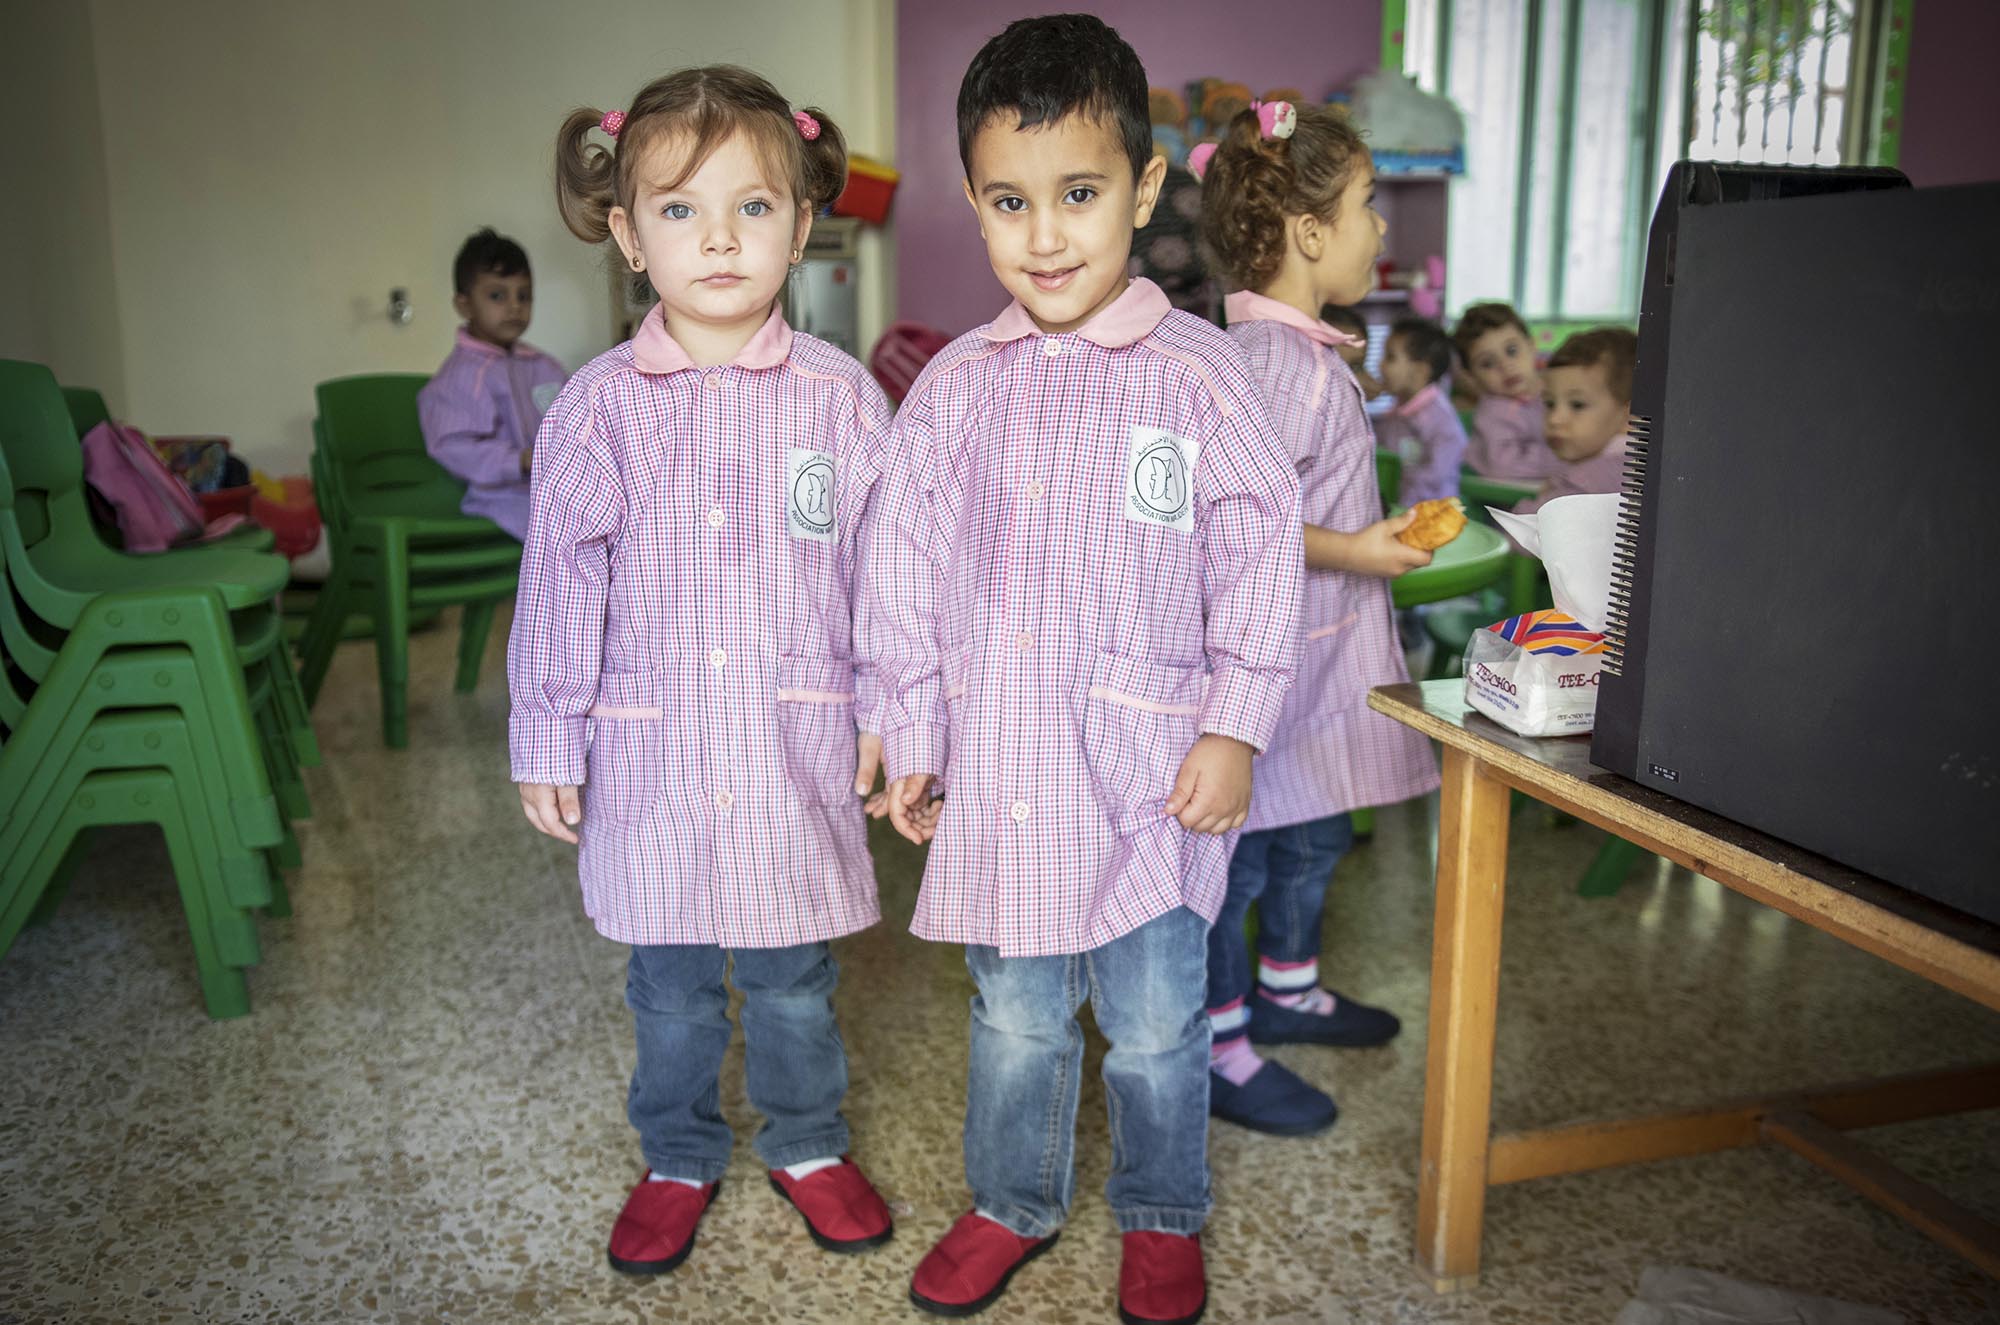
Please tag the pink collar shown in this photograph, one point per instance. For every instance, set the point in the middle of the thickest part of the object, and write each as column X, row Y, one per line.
column 1420, row 402
column 654, row 349
column 521, row 350
column 1126, row 320
column 1249, row 306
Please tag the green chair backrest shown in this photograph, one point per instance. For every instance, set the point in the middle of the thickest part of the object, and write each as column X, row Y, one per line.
column 372, row 447
column 41, row 466
column 1388, row 474
column 86, row 408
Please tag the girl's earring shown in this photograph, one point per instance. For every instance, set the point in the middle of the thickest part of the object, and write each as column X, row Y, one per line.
column 797, row 254
column 638, row 262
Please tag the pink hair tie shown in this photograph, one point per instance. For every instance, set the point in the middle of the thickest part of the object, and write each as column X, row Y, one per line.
column 1275, row 119
column 1198, row 159
column 808, row 126
column 613, row 121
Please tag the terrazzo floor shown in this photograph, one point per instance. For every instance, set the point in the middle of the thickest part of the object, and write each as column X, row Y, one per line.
column 422, row 1119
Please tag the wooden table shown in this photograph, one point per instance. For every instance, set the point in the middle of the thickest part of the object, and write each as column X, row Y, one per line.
column 1461, row 1156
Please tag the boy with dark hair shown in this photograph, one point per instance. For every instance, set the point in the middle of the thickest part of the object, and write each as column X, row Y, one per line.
column 1083, row 610
column 1423, row 428
column 480, row 412
column 1499, row 358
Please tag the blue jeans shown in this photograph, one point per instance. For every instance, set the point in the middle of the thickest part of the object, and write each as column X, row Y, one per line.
column 1145, row 989
column 795, row 1066
column 1285, row 871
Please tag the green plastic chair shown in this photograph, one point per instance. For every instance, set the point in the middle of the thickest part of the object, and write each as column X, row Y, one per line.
column 239, row 879
column 145, row 710
column 59, row 565
column 1388, row 475
column 86, row 408
column 400, row 543
column 233, row 663
column 89, row 679
column 1481, row 492
column 128, row 797
column 1467, row 564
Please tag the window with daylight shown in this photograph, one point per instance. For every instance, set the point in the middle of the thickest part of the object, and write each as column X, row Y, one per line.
column 1575, row 109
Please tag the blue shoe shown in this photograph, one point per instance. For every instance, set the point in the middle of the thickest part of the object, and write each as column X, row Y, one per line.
column 1275, row 1100
column 1350, row 1025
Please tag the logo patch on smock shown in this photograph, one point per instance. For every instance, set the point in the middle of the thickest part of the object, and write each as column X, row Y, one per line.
column 1159, row 479
column 809, row 494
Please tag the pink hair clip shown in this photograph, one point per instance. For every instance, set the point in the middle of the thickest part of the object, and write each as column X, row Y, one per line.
column 1275, row 119
column 1198, row 159
column 613, row 121
column 808, row 126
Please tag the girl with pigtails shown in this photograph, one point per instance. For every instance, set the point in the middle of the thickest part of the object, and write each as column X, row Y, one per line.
column 685, row 699
column 1288, row 213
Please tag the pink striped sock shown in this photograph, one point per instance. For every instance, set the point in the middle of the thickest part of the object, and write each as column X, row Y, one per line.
column 1234, row 1060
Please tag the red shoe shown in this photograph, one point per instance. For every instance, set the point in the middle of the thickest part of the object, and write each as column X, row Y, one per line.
column 1160, row 1281
column 842, row 1211
column 968, row 1270
column 655, row 1230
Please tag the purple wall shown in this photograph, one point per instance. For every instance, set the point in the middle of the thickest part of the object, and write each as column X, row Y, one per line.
column 1951, row 100
column 942, row 276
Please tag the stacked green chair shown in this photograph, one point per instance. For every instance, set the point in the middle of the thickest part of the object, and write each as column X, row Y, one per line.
column 137, row 689
column 400, row 543
column 1388, row 475
column 59, row 564
column 86, row 408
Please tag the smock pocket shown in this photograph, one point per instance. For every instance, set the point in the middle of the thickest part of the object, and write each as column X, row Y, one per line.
column 816, row 725
column 627, row 747
column 1139, row 720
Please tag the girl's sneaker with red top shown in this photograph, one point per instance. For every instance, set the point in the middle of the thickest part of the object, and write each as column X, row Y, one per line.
column 655, row 1230
column 968, row 1270
column 842, row 1210
column 1161, row 1280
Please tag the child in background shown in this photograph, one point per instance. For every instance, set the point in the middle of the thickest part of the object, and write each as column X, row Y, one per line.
column 1288, row 210
column 1587, row 391
column 1423, row 428
column 480, row 412
column 1082, row 601
column 682, row 645
column 1499, row 356
column 1353, row 353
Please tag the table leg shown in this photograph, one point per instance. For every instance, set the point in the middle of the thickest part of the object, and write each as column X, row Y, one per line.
column 1465, row 983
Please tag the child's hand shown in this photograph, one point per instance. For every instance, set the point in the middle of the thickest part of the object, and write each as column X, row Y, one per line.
column 1377, row 551
column 868, row 767
column 552, row 810
column 910, row 807
column 1212, row 792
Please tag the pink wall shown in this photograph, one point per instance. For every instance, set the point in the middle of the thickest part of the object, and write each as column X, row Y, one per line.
column 1951, row 100
column 942, row 276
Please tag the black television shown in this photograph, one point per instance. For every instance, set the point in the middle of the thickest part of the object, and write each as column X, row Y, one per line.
column 1805, row 623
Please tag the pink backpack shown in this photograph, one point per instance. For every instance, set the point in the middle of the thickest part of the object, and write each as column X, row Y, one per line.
column 153, row 508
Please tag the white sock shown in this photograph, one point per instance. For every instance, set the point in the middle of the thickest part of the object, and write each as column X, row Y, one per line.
column 810, row 1167
column 685, row 1182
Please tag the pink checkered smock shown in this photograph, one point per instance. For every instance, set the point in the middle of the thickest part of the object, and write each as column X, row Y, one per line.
column 1085, row 553
column 1508, row 441
column 1332, row 753
column 682, row 644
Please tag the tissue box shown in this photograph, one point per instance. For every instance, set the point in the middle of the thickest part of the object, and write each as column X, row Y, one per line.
column 1535, row 674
